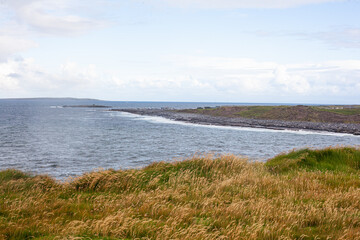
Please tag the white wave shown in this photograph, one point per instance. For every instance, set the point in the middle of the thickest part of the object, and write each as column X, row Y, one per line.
column 56, row 106
column 157, row 119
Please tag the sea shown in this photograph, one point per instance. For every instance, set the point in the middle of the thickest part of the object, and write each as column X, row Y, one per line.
column 41, row 136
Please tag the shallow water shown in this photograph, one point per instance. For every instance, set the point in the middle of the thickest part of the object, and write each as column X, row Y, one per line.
column 42, row 137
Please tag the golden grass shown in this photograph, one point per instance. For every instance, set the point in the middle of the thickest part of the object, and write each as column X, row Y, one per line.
column 205, row 197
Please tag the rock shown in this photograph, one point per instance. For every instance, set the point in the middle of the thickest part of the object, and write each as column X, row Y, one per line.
column 246, row 122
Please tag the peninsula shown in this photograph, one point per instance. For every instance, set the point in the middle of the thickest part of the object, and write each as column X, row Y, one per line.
column 338, row 119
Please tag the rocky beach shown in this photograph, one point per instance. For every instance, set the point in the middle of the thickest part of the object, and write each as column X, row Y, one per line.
column 349, row 128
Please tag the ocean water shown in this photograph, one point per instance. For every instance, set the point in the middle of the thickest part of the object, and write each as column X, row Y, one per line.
column 42, row 137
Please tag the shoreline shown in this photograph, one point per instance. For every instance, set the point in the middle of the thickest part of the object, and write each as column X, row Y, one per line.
column 201, row 119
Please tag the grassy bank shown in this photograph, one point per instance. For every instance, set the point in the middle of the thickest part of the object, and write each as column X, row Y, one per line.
column 305, row 194
column 334, row 114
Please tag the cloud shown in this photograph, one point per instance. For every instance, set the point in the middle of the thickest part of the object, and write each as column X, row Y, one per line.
column 342, row 38
column 20, row 20
column 191, row 78
column 231, row 4
column 288, row 82
column 250, row 77
column 7, row 82
column 22, row 75
column 51, row 17
column 10, row 45
column 25, row 77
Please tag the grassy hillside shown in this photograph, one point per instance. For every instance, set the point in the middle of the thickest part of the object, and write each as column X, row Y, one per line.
column 344, row 159
column 306, row 194
column 336, row 114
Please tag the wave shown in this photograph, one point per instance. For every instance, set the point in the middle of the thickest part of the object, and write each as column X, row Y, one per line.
column 162, row 120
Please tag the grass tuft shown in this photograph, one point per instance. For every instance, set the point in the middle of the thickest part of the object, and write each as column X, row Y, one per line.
column 12, row 174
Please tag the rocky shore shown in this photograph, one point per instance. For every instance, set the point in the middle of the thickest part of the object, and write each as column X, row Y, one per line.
column 246, row 122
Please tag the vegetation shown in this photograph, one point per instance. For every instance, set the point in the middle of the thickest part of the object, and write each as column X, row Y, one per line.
column 305, row 194
column 336, row 114
column 354, row 110
column 330, row 159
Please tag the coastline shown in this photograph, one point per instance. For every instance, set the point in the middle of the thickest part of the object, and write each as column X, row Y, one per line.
column 246, row 122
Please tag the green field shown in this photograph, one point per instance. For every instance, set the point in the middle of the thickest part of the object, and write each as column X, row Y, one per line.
column 355, row 110
column 335, row 114
column 305, row 194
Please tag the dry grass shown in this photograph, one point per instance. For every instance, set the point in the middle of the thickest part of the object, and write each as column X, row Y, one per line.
column 201, row 198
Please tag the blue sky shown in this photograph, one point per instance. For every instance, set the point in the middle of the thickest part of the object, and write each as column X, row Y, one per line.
column 295, row 51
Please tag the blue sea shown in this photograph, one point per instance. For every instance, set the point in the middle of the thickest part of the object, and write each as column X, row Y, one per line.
column 42, row 137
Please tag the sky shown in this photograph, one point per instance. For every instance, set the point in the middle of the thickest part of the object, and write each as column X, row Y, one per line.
column 259, row 51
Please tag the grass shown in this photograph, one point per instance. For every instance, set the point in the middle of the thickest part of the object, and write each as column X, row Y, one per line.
column 12, row 174
column 256, row 111
column 304, row 194
column 330, row 159
column 286, row 113
column 345, row 111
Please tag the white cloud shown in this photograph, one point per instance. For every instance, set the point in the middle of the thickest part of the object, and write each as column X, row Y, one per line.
column 291, row 82
column 191, row 78
column 240, row 3
column 26, row 77
column 250, row 77
column 343, row 38
column 222, row 63
column 22, row 75
column 340, row 37
column 72, row 75
column 23, row 19
column 50, row 16
column 10, row 45
column 8, row 80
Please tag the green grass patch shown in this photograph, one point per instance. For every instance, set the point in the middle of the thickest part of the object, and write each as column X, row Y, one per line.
column 256, row 111
column 345, row 111
column 329, row 114
column 12, row 174
column 330, row 159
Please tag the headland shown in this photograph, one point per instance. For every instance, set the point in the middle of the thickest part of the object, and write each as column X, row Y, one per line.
column 337, row 119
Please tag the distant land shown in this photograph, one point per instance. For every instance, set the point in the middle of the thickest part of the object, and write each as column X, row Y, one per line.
column 324, row 114
column 329, row 118
column 52, row 98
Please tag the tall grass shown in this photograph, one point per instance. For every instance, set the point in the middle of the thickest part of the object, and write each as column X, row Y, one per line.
column 344, row 159
column 205, row 197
